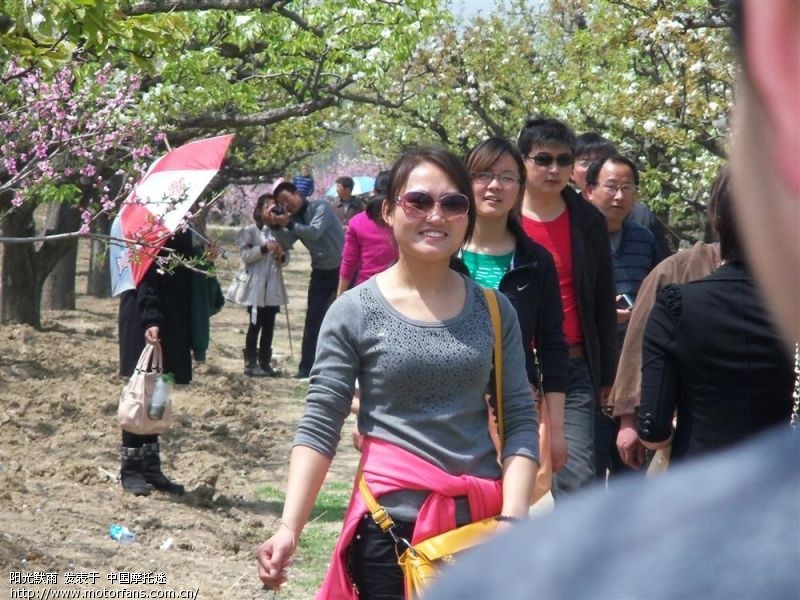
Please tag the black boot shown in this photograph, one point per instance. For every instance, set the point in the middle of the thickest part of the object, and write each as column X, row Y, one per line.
column 152, row 471
column 264, row 358
column 130, row 473
column 251, row 368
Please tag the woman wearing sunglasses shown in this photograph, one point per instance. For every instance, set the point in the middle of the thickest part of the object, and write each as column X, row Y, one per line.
column 500, row 256
column 418, row 337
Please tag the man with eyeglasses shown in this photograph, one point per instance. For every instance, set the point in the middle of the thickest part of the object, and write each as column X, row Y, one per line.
column 575, row 233
column 611, row 187
column 591, row 146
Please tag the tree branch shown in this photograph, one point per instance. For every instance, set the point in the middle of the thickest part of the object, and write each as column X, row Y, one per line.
column 149, row 7
column 237, row 121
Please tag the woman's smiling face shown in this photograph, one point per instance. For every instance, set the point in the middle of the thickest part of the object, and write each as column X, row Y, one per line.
column 496, row 198
column 431, row 236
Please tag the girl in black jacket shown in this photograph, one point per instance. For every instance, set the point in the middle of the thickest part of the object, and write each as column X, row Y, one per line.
column 499, row 255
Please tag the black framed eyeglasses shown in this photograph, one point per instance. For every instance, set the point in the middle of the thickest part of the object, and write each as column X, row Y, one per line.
column 504, row 179
column 419, row 204
column 545, row 159
column 627, row 189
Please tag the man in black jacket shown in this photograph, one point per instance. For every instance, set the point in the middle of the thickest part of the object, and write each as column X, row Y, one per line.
column 575, row 233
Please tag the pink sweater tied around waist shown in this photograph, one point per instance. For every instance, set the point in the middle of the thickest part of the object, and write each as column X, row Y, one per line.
column 388, row 468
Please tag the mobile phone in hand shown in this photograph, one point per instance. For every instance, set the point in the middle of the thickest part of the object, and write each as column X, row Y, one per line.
column 625, row 302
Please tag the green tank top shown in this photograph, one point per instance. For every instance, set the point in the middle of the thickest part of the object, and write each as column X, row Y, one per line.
column 487, row 269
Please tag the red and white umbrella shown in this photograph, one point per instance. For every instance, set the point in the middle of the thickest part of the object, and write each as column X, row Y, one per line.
column 158, row 205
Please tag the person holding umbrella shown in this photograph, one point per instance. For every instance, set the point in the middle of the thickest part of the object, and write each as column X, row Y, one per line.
column 156, row 311
column 156, row 303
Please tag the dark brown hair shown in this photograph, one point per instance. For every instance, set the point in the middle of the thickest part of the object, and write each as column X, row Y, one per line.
column 483, row 157
column 446, row 161
column 259, row 208
column 723, row 216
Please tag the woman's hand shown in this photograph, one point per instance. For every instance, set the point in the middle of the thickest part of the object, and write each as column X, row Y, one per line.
column 630, row 448
column 276, row 249
column 274, row 556
column 151, row 335
column 213, row 251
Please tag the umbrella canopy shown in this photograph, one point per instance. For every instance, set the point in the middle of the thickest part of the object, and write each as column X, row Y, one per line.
column 364, row 184
column 158, row 204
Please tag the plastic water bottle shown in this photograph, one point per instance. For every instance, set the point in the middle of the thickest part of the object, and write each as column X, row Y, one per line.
column 122, row 534
column 161, row 391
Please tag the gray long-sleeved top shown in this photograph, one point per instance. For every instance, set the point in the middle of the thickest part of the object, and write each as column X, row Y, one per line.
column 317, row 227
column 422, row 383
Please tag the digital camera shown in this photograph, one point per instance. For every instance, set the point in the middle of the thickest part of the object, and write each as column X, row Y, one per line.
column 278, row 210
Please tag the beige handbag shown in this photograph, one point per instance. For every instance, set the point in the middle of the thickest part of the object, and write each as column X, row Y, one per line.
column 135, row 397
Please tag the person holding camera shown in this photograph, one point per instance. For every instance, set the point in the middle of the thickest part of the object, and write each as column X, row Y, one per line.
column 611, row 184
column 314, row 223
column 259, row 287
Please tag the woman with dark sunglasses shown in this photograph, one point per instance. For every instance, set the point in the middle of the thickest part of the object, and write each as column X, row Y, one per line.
column 418, row 338
column 500, row 256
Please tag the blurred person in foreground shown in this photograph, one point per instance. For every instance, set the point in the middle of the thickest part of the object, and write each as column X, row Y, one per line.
column 725, row 526
column 418, row 337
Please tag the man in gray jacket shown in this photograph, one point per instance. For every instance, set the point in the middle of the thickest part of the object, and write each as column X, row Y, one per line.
column 316, row 226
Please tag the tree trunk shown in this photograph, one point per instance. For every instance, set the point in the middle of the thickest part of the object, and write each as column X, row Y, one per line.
column 25, row 268
column 98, row 284
column 59, row 287
column 22, row 293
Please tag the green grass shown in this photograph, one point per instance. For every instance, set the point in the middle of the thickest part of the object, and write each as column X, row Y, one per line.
column 318, row 539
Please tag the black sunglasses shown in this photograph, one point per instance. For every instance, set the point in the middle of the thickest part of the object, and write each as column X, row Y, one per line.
column 543, row 159
column 418, row 205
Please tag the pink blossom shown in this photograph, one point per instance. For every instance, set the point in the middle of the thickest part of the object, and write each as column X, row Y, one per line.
column 177, row 189
column 11, row 166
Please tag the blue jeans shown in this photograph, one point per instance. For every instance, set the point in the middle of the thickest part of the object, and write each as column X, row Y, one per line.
column 579, row 413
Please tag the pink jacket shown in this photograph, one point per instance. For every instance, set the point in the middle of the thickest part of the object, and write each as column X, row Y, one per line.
column 388, row 468
column 368, row 249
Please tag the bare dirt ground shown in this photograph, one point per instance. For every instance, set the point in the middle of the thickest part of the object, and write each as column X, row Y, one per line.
column 59, row 452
